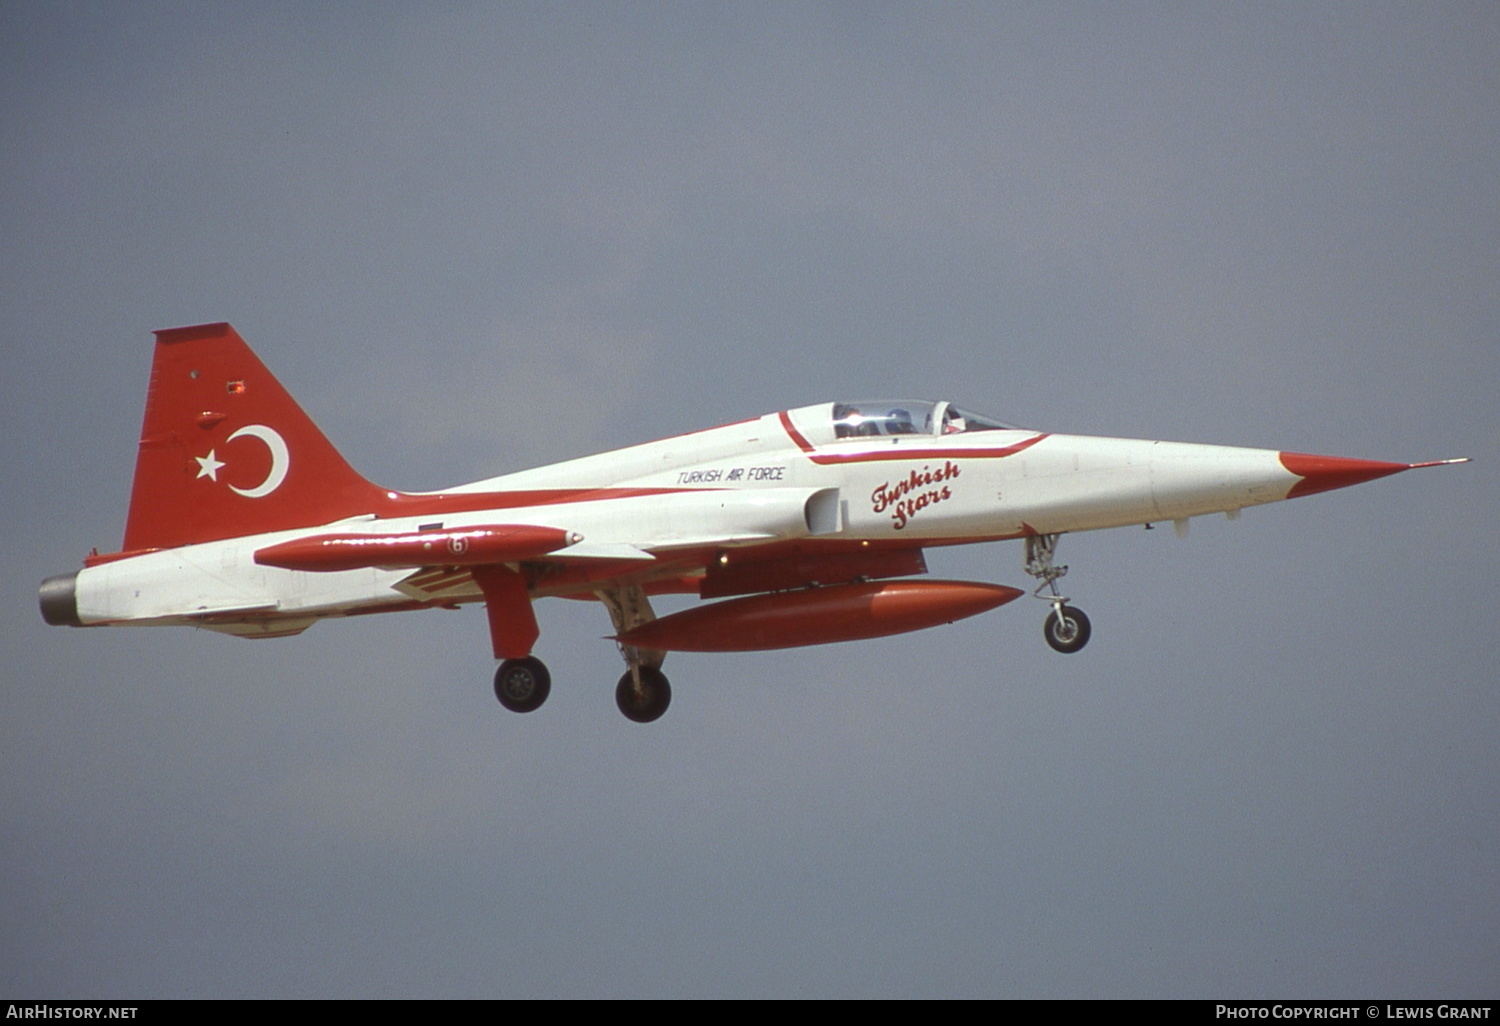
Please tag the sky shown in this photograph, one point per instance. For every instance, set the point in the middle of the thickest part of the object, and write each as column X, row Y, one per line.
column 476, row 238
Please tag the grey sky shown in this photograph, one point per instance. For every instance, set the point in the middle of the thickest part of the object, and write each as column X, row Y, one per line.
column 477, row 238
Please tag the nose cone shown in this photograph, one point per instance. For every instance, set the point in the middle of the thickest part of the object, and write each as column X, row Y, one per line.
column 1325, row 473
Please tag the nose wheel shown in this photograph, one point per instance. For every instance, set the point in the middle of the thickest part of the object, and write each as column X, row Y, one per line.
column 1066, row 628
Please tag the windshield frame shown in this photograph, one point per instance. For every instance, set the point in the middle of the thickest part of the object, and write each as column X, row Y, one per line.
column 907, row 418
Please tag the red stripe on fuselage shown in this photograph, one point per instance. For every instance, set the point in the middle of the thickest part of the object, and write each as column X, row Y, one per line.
column 796, row 436
column 897, row 452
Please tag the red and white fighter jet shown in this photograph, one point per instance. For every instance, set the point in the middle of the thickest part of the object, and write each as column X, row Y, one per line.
column 808, row 523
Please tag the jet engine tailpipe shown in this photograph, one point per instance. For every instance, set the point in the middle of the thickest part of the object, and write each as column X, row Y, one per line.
column 59, row 600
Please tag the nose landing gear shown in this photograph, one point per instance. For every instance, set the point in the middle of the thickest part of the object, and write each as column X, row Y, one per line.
column 1066, row 629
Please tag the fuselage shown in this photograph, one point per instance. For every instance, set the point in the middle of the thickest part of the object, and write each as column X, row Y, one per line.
column 660, row 511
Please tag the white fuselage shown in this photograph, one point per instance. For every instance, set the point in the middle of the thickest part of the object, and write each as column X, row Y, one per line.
column 781, row 477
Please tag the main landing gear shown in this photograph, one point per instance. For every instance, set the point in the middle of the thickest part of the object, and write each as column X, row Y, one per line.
column 522, row 685
column 643, row 693
column 1066, row 629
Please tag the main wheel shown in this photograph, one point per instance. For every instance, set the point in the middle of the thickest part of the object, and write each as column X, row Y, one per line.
column 647, row 702
column 522, row 685
column 1068, row 632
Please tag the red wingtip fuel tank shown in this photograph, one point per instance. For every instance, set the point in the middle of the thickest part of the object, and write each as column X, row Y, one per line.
column 818, row 616
column 462, row 547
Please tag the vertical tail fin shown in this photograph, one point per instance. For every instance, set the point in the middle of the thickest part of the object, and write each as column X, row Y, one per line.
column 226, row 451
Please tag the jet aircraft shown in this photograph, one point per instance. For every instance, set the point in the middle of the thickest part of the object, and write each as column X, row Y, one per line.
column 806, row 526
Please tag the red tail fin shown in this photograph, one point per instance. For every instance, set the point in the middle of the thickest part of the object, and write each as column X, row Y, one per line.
column 225, row 451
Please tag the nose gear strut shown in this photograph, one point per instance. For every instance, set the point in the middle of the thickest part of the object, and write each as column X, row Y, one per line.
column 1066, row 629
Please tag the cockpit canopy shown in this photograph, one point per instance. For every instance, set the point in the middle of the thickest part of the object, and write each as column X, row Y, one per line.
column 877, row 417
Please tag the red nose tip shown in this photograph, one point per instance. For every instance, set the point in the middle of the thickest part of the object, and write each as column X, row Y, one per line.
column 1325, row 473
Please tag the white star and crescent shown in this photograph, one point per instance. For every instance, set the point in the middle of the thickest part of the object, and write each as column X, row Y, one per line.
column 208, row 466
